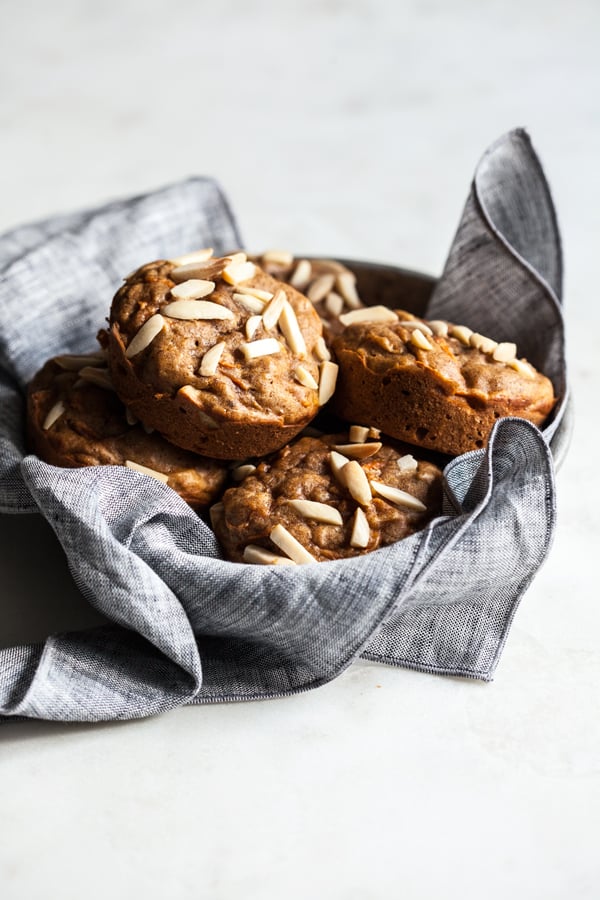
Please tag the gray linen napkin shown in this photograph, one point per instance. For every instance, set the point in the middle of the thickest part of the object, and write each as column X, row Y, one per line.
column 189, row 627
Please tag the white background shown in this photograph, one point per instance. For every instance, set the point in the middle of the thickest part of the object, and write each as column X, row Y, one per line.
column 347, row 128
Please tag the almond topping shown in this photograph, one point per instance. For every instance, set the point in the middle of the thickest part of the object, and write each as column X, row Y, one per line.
column 129, row 417
column 419, row 340
column 196, row 397
column 358, row 434
column 346, row 285
column 353, row 477
column 361, row 532
column 196, row 309
column 320, row 287
column 259, row 555
column 290, row 327
column 337, row 462
column 397, row 497
column 252, row 325
column 238, row 258
column 252, row 304
column 235, row 273
column 407, row 463
column 54, row 414
column 153, row 326
column 273, row 310
column 439, row 327
column 480, row 342
column 99, row 377
column 304, row 377
column 414, row 324
column 75, row 363
column 240, row 472
column 522, row 367
column 255, row 292
column 282, row 538
column 210, row 360
column 321, row 350
column 320, row 512
column 265, row 347
column 146, row 471
column 205, row 271
column 197, row 256
column 462, row 333
column 327, row 381
column 369, row 314
column 192, row 289
column 301, row 275
column 504, row 352
column 334, row 304
column 278, row 258
column 359, row 450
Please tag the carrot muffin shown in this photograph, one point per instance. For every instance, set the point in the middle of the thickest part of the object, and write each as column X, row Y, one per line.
column 218, row 356
column 432, row 383
column 326, row 498
column 76, row 419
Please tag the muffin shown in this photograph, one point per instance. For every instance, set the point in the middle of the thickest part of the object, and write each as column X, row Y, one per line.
column 432, row 384
column 325, row 498
column 74, row 418
column 217, row 355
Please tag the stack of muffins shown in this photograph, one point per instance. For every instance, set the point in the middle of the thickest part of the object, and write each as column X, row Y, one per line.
column 212, row 369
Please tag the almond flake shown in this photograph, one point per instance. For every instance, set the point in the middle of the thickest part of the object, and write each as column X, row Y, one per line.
column 196, row 397
column 346, row 285
column 504, row 352
column 278, row 258
column 146, row 471
column 327, row 381
column 144, row 337
column 320, row 512
column 522, row 367
column 238, row 258
column 414, row 324
column 252, row 325
column 419, row 340
column 353, row 477
column 255, row 292
column 54, row 414
column 197, row 256
column 266, row 347
column 361, row 533
column 75, row 363
column 374, row 433
column 290, row 327
column 210, row 360
column 358, row 434
column 301, row 275
column 304, row 377
column 282, row 538
column 334, row 304
column 369, row 314
column 236, row 273
column 262, row 557
column 196, row 309
column 192, row 289
column 337, row 461
column 129, row 417
column 322, row 350
column 462, row 333
column 249, row 302
column 397, row 497
column 439, row 327
column 240, row 472
column 320, row 287
column 273, row 310
column 99, row 377
column 359, row 450
column 480, row 342
column 407, row 463
column 205, row 271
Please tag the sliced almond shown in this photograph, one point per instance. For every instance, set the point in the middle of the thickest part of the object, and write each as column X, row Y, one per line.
column 54, row 414
column 129, row 417
column 265, row 347
column 439, row 327
column 290, row 328
column 192, row 289
column 320, row 512
column 301, row 275
column 238, row 258
column 327, row 381
column 249, row 302
column 240, row 472
column 480, row 342
column 374, row 433
column 99, row 377
column 262, row 557
column 419, row 340
column 236, row 273
column 407, row 463
column 215, row 513
column 255, row 292
column 353, row 477
column 196, row 397
column 273, row 310
column 359, row 450
column 522, row 367
column 361, row 533
column 346, row 285
column 278, row 258
column 75, row 363
column 205, row 271
column 197, row 256
column 252, row 325
column 304, row 377
column 282, row 538
column 322, row 350
column 414, row 324
column 211, row 359
column 196, row 309
column 462, row 333
column 369, row 314
column 320, row 287
column 337, row 462
column 160, row 476
column 144, row 337
column 397, row 497
column 504, row 352
column 358, row 434
column 148, row 429
column 334, row 303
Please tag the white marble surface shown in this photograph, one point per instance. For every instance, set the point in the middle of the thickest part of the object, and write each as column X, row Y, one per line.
column 347, row 128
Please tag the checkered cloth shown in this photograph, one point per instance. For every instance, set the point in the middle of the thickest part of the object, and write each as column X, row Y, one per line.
column 189, row 627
